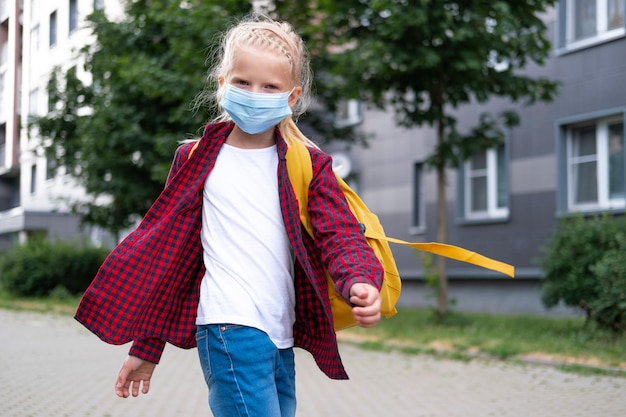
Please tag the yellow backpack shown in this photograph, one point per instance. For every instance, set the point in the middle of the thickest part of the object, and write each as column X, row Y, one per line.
column 301, row 172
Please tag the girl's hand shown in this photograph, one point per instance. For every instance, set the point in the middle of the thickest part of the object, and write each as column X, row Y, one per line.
column 366, row 299
column 134, row 372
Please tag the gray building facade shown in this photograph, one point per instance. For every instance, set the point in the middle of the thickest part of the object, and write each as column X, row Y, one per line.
column 566, row 156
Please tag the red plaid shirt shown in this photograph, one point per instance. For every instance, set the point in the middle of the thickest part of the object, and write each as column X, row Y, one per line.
column 147, row 290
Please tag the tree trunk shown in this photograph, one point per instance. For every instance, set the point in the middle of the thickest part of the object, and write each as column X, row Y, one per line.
column 442, row 231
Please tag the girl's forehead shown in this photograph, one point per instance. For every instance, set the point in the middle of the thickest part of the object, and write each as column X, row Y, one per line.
column 260, row 58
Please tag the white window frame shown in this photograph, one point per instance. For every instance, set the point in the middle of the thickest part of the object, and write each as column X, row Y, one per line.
column 348, row 113
column 603, row 202
column 602, row 34
column 490, row 171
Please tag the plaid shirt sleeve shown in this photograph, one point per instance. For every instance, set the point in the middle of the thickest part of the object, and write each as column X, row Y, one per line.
column 149, row 349
column 338, row 236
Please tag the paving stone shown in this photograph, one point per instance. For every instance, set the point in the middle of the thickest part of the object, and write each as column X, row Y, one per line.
column 50, row 366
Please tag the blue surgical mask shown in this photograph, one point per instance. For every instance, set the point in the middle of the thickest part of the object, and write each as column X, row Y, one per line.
column 255, row 112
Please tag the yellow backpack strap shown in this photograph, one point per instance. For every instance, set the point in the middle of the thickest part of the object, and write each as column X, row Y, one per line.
column 191, row 151
column 301, row 173
column 456, row 253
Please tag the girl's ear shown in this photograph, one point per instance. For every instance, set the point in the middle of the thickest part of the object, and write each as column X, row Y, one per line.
column 294, row 96
column 220, row 80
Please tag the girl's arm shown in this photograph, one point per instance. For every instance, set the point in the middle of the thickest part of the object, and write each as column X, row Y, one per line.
column 338, row 235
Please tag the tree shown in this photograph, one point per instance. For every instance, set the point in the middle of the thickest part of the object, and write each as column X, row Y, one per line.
column 117, row 133
column 424, row 59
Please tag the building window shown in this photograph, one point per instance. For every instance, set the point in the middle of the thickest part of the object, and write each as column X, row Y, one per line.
column 587, row 22
column 485, row 185
column 51, row 168
column 73, row 18
column 98, row 4
column 595, row 165
column 348, row 113
column 33, row 101
column 53, row 28
column 417, row 215
column 615, row 14
column 33, row 179
column 51, row 98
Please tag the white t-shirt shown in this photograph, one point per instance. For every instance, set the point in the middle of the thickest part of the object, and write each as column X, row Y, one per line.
column 249, row 265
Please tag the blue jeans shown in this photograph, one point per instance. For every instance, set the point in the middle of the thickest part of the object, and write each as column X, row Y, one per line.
column 247, row 375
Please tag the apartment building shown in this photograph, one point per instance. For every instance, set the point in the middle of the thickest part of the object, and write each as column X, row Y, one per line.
column 10, row 76
column 565, row 157
column 35, row 37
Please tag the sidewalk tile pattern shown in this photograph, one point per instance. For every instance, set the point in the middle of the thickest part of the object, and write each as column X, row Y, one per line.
column 52, row 367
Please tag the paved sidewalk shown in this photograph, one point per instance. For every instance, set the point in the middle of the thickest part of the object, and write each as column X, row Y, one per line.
column 52, row 367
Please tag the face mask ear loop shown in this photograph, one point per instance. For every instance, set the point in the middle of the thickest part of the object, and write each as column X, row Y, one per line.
column 289, row 98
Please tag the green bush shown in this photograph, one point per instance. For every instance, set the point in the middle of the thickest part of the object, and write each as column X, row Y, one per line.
column 609, row 308
column 582, row 265
column 39, row 267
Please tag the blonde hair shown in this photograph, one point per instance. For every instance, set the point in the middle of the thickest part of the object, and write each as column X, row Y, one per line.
column 259, row 31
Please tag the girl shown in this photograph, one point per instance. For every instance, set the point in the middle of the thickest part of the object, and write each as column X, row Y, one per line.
column 222, row 252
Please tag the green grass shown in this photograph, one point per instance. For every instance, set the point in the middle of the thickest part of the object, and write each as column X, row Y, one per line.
column 64, row 304
column 572, row 342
